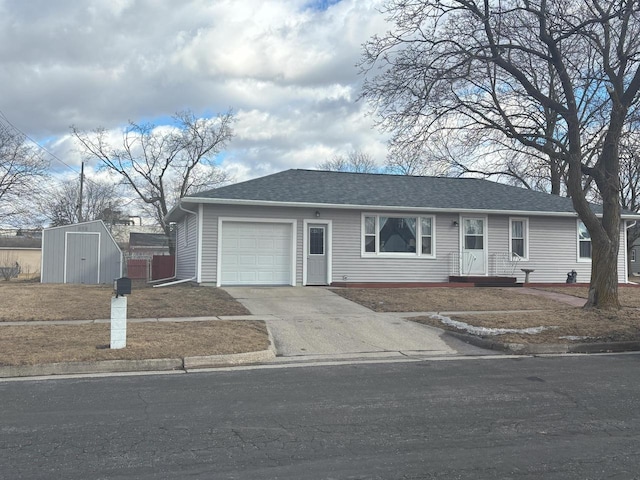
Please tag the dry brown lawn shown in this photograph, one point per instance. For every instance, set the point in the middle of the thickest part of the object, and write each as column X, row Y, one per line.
column 31, row 345
column 567, row 321
column 445, row 299
column 629, row 295
column 35, row 301
column 596, row 326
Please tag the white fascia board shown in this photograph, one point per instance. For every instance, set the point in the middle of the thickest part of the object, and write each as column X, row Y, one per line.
column 267, row 203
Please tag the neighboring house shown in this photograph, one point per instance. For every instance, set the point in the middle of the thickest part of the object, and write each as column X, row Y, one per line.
column 25, row 251
column 146, row 245
column 305, row 227
column 83, row 253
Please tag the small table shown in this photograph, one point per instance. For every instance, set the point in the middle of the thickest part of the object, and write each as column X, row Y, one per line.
column 527, row 271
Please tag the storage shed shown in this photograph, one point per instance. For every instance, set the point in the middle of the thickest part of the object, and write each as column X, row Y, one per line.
column 83, row 253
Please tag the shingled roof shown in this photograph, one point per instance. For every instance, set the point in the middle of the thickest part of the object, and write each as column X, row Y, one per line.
column 341, row 189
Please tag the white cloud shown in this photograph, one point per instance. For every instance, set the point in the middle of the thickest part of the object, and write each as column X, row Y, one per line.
column 286, row 69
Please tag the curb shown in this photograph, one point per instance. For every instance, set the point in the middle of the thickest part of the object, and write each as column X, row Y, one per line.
column 545, row 348
column 158, row 364
column 103, row 366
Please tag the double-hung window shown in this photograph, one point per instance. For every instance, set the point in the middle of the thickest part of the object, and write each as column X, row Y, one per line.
column 519, row 238
column 395, row 235
column 584, row 242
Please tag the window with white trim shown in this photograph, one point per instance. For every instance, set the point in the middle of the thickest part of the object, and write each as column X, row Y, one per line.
column 584, row 242
column 186, row 230
column 633, row 254
column 519, row 238
column 397, row 235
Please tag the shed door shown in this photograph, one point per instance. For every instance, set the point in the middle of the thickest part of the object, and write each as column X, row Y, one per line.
column 82, row 258
column 256, row 253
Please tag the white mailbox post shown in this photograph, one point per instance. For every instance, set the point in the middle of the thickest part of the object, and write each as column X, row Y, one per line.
column 121, row 287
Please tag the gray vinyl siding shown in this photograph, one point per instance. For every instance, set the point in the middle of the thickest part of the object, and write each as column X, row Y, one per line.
column 552, row 247
column 186, row 247
column 54, row 254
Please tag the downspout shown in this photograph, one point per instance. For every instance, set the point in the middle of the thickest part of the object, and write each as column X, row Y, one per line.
column 174, row 283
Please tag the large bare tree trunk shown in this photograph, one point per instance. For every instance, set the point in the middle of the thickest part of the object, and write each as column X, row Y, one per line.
column 603, row 290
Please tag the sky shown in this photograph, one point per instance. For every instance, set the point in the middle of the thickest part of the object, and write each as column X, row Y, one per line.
column 286, row 68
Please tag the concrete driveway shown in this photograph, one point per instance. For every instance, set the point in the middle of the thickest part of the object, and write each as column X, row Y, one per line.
column 315, row 321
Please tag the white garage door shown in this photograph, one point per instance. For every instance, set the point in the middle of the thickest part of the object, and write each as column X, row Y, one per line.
column 256, row 253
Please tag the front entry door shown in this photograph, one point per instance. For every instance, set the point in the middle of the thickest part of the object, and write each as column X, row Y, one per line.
column 473, row 247
column 316, row 255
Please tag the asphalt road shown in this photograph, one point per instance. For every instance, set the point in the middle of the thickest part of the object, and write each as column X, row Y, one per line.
column 529, row 418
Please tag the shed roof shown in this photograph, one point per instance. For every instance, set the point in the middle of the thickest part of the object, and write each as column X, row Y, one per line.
column 324, row 188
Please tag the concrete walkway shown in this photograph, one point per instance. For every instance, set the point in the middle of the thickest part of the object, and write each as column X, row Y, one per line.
column 309, row 321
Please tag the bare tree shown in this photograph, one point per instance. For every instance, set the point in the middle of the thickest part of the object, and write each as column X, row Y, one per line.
column 559, row 77
column 21, row 166
column 163, row 164
column 354, row 162
column 100, row 200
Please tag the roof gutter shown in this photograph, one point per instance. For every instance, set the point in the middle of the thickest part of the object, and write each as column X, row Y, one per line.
column 266, row 203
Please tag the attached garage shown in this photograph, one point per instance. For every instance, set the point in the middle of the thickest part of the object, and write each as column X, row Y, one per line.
column 256, row 252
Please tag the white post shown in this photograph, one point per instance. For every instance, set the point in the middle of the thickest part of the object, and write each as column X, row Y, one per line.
column 118, row 322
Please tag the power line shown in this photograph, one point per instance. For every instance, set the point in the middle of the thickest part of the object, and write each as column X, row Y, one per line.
column 36, row 143
column 41, row 147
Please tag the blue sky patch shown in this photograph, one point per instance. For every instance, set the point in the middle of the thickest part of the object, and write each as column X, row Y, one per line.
column 321, row 5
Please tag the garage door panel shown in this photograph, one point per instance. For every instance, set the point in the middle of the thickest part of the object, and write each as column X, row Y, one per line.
column 256, row 253
column 280, row 260
column 265, row 260
column 247, row 261
column 246, row 243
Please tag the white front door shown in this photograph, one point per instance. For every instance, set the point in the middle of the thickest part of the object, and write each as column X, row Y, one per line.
column 316, row 255
column 472, row 261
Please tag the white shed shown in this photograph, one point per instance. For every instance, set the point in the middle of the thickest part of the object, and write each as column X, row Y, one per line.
column 83, row 253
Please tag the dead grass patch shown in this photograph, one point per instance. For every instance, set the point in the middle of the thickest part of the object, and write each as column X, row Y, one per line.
column 590, row 325
column 629, row 295
column 32, row 345
column 27, row 301
column 444, row 299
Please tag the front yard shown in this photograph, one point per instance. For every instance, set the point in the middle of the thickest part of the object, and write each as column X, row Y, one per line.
column 39, row 344
column 540, row 320
column 520, row 317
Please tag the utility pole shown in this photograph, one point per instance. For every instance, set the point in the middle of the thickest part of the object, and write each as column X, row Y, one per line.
column 80, row 196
